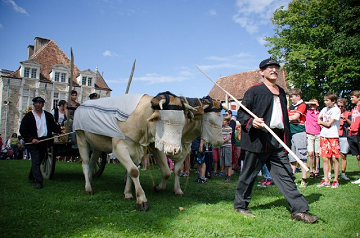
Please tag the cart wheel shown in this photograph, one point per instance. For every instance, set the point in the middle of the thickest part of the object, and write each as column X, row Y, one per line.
column 47, row 166
column 100, row 165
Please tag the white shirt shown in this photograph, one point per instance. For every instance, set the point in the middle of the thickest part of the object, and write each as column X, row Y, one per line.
column 61, row 116
column 276, row 115
column 40, row 124
column 327, row 114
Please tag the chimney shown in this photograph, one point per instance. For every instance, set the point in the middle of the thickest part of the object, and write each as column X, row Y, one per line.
column 39, row 42
column 30, row 51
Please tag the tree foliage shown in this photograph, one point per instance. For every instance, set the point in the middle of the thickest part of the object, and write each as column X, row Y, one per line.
column 319, row 42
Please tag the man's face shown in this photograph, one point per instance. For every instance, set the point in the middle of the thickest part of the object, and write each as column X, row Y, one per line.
column 270, row 72
column 341, row 106
column 73, row 97
column 38, row 106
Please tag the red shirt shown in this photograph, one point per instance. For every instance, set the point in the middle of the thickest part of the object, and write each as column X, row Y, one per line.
column 346, row 114
column 355, row 120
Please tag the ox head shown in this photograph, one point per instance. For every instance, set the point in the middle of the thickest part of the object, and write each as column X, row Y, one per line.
column 212, row 121
column 170, row 121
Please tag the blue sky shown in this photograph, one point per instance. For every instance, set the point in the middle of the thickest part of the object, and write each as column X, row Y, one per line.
column 166, row 37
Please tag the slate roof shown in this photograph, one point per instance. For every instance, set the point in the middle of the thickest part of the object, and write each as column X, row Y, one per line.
column 238, row 84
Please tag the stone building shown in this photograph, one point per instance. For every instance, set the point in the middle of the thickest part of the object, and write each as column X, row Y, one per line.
column 45, row 73
column 238, row 84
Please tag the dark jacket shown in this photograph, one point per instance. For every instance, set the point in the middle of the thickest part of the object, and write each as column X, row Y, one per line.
column 28, row 128
column 259, row 100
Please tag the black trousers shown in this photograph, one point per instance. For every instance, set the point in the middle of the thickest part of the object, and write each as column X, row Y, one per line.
column 37, row 153
column 278, row 164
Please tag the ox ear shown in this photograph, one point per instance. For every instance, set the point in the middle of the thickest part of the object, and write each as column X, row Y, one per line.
column 154, row 117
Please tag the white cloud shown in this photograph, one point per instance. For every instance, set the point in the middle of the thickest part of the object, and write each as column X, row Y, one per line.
column 252, row 14
column 261, row 40
column 212, row 12
column 1, row 26
column 154, row 78
column 16, row 7
column 217, row 58
column 108, row 53
column 218, row 66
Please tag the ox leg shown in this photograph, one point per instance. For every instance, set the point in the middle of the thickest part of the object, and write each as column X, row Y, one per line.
column 161, row 161
column 122, row 153
column 177, row 188
column 84, row 151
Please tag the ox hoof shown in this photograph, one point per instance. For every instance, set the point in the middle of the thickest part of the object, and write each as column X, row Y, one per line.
column 128, row 198
column 143, row 206
column 179, row 193
column 156, row 188
column 90, row 192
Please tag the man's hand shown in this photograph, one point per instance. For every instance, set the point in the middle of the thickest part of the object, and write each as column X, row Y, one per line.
column 258, row 123
column 35, row 141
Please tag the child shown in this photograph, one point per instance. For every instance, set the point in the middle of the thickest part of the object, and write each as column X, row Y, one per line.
column 345, row 121
column 313, row 137
column 329, row 121
column 353, row 138
column 225, row 150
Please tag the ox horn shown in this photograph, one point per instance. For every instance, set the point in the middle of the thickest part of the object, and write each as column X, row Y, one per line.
column 225, row 108
column 187, row 106
column 161, row 102
column 154, row 116
column 206, row 106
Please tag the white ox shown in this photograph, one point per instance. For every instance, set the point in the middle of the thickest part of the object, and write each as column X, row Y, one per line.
column 138, row 127
column 207, row 125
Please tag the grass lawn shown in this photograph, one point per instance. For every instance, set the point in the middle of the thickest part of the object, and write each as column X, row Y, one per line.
column 62, row 209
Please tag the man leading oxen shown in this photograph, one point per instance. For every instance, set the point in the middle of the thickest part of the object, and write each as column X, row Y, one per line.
column 126, row 126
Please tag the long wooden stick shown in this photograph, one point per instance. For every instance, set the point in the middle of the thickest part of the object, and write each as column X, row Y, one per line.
column 130, row 78
column 30, row 143
column 263, row 124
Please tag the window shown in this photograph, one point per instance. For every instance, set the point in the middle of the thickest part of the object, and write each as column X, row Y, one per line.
column 33, row 73
column 56, row 79
column 63, row 76
column 83, row 80
column 89, row 81
column 28, row 95
column 27, row 72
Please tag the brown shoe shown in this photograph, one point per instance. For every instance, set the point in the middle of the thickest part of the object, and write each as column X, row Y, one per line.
column 245, row 212
column 303, row 216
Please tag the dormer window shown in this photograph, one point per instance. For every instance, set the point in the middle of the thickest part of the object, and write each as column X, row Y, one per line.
column 59, row 73
column 33, row 73
column 83, row 82
column 89, row 81
column 30, row 69
column 26, row 72
column 57, row 76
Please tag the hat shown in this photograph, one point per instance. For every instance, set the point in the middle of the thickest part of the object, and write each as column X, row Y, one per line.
column 268, row 62
column 38, row 99
column 93, row 95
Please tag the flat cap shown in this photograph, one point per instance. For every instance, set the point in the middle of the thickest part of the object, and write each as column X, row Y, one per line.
column 38, row 99
column 268, row 62
column 93, row 95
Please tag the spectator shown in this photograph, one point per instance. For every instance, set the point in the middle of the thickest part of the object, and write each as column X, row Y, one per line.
column 354, row 136
column 59, row 113
column 297, row 117
column 93, row 96
column 216, row 158
column 232, row 124
column 329, row 121
column 185, row 170
column 345, row 121
column 208, row 160
column 313, row 137
column 267, row 180
column 14, row 145
column 225, row 151
column 198, row 149
column 237, row 153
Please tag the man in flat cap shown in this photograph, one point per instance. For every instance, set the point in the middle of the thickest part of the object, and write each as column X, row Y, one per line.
column 36, row 126
column 268, row 101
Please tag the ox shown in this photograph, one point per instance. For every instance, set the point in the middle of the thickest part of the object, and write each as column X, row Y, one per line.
column 207, row 122
column 138, row 126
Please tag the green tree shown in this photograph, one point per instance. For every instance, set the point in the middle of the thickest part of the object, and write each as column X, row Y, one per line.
column 319, row 43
